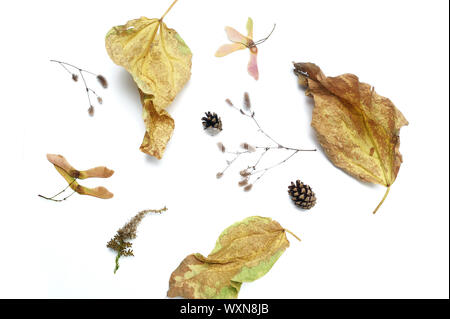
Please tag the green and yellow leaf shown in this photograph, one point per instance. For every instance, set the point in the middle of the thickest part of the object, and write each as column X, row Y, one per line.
column 244, row 252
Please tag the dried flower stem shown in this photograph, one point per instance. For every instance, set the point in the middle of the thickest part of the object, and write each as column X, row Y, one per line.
column 100, row 78
column 252, row 169
column 230, row 162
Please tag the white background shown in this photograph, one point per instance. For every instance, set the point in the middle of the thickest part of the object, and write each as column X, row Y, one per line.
column 53, row 250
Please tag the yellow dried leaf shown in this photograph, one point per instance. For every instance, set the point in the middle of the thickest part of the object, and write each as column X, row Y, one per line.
column 357, row 128
column 244, row 252
column 71, row 174
column 159, row 128
column 160, row 63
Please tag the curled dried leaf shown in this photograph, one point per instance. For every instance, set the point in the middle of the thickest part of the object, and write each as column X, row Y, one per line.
column 357, row 128
column 159, row 128
column 160, row 63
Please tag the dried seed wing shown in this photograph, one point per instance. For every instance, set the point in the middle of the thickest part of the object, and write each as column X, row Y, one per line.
column 250, row 28
column 100, row 192
column 235, row 36
column 229, row 48
column 60, row 161
column 253, row 64
column 100, row 171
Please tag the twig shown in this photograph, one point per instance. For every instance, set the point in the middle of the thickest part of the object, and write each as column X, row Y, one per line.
column 252, row 170
column 60, row 200
column 100, row 78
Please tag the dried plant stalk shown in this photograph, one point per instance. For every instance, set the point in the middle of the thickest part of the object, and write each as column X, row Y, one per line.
column 254, row 171
column 121, row 241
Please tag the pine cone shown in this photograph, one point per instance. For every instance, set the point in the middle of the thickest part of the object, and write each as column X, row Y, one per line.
column 302, row 195
column 212, row 121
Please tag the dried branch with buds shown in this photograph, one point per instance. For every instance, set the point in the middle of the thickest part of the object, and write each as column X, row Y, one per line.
column 253, row 173
column 75, row 72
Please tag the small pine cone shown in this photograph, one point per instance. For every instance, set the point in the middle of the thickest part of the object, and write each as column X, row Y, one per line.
column 212, row 120
column 302, row 195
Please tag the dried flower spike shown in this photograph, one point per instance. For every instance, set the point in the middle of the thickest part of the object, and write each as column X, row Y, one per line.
column 100, row 78
column 121, row 241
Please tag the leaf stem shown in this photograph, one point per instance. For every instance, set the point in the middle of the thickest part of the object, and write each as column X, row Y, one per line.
column 167, row 11
column 384, row 197
column 296, row 237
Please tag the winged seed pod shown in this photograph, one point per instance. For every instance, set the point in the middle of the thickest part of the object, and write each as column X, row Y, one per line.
column 244, row 252
column 71, row 175
column 160, row 63
column 357, row 128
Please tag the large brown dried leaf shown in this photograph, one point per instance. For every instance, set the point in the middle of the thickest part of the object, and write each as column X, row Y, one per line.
column 160, row 63
column 244, row 252
column 358, row 129
column 71, row 174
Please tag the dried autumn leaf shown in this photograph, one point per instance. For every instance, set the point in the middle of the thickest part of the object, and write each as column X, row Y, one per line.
column 71, row 174
column 160, row 63
column 358, row 129
column 159, row 127
column 244, row 252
